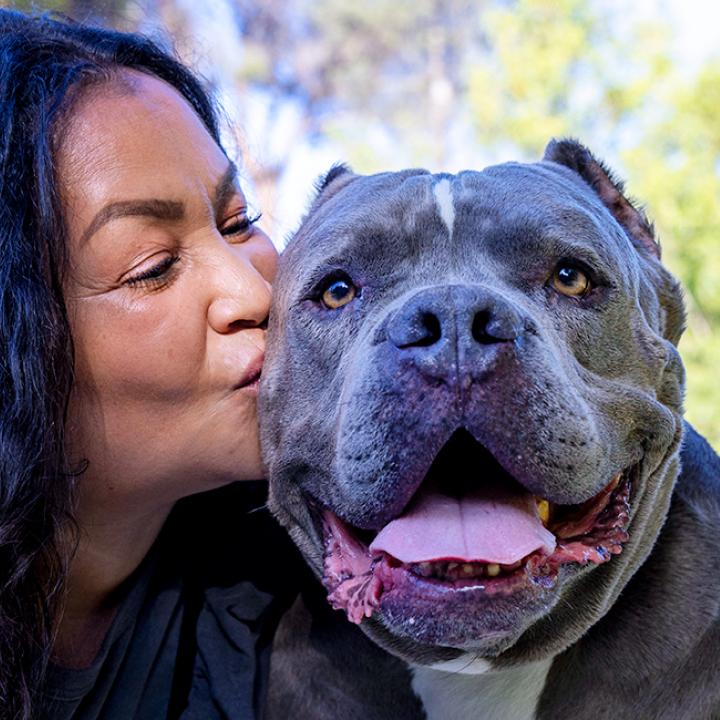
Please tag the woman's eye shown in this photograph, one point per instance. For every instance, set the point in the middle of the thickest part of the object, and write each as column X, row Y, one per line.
column 338, row 293
column 571, row 281
column 238, row 224
column 155, row 275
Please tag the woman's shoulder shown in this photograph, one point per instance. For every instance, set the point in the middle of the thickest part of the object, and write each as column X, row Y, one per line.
column 196, row 627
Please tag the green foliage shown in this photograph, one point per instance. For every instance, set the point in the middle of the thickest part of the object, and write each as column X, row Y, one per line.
column 106, row 12
column 30, row 5
column 522, row 91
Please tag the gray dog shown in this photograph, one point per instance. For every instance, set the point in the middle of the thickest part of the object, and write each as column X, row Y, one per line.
column 471, row 414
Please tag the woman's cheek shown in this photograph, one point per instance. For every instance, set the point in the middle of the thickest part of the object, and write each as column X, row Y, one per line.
column 149, row 348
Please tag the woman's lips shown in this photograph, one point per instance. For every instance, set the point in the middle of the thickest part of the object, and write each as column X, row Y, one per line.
column 251, row 376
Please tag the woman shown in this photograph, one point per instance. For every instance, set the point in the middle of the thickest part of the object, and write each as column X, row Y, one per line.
column 135, row 288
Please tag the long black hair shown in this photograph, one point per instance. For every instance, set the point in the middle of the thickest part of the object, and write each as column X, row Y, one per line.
column 41, row 60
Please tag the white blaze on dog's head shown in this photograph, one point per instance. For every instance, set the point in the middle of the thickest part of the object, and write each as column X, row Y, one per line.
column 444, row 199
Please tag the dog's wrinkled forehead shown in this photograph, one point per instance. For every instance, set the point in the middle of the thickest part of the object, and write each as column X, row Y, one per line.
column 417, row 219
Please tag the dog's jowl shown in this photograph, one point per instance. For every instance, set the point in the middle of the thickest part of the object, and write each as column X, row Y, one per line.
column 471, row 415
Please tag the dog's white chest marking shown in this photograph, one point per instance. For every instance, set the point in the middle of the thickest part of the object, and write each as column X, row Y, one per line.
column 494, row 695
column 444, row 199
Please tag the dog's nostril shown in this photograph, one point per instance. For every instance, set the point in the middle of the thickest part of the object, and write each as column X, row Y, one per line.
column 484, row 334
column 433, row 330
column 480, row 328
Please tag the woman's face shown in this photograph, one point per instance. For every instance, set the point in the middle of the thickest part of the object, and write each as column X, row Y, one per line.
column 168, row 292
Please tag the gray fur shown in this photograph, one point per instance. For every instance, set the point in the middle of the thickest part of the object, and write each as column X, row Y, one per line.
column 568, row 396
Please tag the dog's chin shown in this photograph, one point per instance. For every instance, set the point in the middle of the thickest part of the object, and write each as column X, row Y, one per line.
column 464, row 600
column 484, row 616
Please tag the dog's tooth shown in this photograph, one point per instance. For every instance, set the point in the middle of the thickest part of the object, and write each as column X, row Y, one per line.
column 468, row 569
column 493, row 569
column 543, row 507
column 425, row 568
column 453, row 566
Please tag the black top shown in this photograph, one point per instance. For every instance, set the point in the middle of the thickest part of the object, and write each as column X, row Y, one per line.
column 192, row 635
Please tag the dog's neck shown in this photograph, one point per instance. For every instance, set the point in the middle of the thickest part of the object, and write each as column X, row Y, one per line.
column 473, row 691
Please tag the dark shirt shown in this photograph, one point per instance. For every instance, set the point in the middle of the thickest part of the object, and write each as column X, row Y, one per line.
column 192, row 635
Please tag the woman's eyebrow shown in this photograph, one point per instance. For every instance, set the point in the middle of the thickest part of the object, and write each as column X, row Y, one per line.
column 162, row 209
column 154, row 208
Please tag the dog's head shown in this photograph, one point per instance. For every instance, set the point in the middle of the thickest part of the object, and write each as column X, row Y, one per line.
column 471, row 402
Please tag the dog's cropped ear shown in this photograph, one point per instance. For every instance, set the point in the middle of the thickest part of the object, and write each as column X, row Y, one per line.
column 338, row 170
column 329, row 184
column 577, row 157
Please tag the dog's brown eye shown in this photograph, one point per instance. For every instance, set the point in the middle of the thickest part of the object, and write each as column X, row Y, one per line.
column 338, row 293
column 571, row 281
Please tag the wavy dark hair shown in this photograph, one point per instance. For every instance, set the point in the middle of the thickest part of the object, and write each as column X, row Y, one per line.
column 45, row 61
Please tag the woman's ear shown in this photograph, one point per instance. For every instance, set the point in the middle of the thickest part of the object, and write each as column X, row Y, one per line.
column 609, row 189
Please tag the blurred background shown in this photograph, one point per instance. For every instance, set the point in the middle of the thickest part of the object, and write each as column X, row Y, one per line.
column 453, row 84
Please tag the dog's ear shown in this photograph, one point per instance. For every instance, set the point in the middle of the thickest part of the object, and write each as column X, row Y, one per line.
column 329, row 184
column 609, row 189
column 338, row 170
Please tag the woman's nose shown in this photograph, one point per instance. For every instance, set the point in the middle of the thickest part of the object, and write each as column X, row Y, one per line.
column 241, row 296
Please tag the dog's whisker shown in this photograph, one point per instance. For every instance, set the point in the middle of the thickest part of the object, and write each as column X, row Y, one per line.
column 264, row 506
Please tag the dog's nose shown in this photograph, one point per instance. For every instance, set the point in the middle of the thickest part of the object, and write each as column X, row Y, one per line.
column 449, row 330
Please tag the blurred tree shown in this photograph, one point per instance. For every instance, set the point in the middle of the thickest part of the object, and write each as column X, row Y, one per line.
column 525, row 89
column 383, row 59
column 386, row 73
column 109, row 12
column 563, row 68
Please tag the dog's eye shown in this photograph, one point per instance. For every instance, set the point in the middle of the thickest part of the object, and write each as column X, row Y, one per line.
column 339, row 292
column 571, row 281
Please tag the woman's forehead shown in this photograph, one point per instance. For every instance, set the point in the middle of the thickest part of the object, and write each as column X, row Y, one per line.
column 134, row 139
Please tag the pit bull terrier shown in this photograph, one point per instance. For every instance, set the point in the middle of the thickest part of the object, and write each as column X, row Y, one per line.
column 471, row 413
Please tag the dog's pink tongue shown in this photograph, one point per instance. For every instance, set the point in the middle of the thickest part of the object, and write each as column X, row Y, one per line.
column 492, row 526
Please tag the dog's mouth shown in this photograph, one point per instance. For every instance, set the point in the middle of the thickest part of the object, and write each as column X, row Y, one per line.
column 472, row 529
